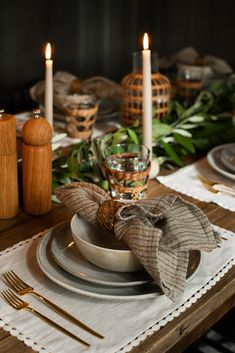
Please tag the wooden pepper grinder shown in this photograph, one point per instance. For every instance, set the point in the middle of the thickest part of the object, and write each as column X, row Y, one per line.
column 9, row 199
column 37, row 165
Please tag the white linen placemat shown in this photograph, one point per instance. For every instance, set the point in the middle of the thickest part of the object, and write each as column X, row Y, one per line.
column 186, row 181
column 124, row 324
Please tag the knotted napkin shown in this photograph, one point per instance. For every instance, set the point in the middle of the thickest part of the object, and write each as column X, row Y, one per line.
column 159, row 231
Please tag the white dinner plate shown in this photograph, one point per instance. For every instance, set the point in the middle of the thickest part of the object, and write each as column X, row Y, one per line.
column 64, row 279
column 67, row 255
column 214, row 159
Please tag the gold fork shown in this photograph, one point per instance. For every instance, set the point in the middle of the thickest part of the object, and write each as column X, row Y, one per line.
column 216, row 187
column 211, row 182
column 22, row 288
column 207, row 186
column 19, row 304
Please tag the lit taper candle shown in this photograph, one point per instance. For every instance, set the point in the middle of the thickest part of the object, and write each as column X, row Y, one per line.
column 147, row 95
column 48, row 85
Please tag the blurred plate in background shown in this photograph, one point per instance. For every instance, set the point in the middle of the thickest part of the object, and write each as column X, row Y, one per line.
column 214, row 158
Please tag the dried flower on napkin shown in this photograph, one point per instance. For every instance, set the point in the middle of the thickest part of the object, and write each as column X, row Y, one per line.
column 159, row 231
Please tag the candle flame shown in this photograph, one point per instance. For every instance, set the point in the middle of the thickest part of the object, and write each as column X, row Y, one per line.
column 48, row 51
column 146, row 41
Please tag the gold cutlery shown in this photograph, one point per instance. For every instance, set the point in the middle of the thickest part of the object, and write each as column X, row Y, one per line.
column 216, row 187
column 22, row 288
column 11, row 298
column 209, row 181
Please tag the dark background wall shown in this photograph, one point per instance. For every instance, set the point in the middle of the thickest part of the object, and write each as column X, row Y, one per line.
column 97, row 37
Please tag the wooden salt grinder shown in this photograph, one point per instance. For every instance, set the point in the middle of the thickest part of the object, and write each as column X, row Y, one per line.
column 9, row 199
column 37, row 165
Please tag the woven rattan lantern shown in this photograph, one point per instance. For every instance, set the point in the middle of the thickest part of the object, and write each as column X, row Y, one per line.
column 81, row 124
column 80, row 116
column 132, row 92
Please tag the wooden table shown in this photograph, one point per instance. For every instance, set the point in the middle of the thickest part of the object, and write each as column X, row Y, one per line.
column 176, row 335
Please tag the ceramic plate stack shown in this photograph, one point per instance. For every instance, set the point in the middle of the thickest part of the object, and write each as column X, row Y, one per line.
column 222, row 159
column 61, row 261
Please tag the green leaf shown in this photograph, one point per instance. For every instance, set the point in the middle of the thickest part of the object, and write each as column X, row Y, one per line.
column 72, row 163
column 196, row 119
column 117, row 136
column 168, row 139
column 55, row 199
column 185, row 142
column 133, row 136
column 182, row 132
column 179, row 108
column 104, row 185
column 160, row 129
column 188, row 126
column 171, row 153
column 95, row 149
column 65, row 180
column 195, row 108
column 162, row 159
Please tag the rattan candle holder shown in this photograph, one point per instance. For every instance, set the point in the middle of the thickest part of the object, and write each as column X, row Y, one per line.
column 132, row 91
column 79, row 124
column 80, row 112
column 132, row 96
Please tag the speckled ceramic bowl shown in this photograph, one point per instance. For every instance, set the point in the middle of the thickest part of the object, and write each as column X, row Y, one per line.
column 102, row 248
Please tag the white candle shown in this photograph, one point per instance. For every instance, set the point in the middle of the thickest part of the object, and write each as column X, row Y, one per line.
column 48, row 85
column 147, row 95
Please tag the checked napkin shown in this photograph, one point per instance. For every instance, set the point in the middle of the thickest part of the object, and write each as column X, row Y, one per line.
column 159, row 231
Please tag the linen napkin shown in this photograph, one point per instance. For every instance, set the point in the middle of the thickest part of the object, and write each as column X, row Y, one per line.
column 160, row 231
column 208, row 65
column 70, row 91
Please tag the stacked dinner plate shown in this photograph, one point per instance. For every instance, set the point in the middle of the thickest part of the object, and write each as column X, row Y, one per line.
column 60, row 259
column 222, row 159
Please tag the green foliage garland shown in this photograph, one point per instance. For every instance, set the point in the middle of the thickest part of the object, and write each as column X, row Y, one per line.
column 184, row 131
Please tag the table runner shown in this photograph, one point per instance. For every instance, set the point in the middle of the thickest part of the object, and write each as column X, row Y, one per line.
column 124, row 324
column 186, row 181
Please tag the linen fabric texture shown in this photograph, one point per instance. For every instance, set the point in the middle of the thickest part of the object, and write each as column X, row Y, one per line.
column 160, row 231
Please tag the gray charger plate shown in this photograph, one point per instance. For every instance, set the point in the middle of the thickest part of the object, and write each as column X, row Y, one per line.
column 67, row 255
column 214, row 159
column 64, row 279
column 228, row 157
